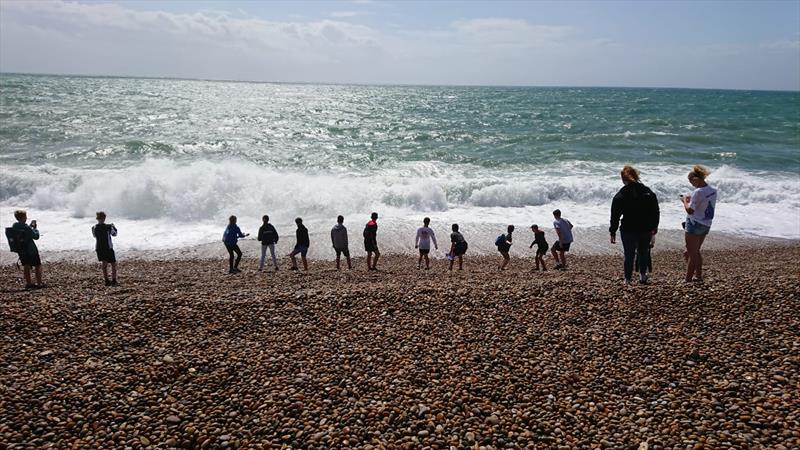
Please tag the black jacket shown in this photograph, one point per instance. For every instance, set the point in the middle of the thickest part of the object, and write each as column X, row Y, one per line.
column 302, row 236
column 267, row 234
column 638, row 207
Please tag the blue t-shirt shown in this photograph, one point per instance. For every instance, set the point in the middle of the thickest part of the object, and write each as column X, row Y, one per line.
column 232, row 234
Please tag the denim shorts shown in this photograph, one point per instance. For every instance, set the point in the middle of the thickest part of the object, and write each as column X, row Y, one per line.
column 302, row 249
column 696, row 228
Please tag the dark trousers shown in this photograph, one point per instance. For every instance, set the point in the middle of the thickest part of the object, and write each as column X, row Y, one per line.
column 231, row 250
column 633, row 243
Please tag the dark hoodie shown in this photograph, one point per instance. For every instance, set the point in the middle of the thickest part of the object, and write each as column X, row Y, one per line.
column 638, row 207
column 267, row 234
column 339, row 237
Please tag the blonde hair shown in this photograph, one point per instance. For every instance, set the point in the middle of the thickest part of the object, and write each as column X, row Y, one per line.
column 699, row 171
column 630, row 174
column 20, row 214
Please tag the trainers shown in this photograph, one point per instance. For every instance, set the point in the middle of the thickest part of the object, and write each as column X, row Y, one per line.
column 114, row 283
column 108, row 283
column 643, row 279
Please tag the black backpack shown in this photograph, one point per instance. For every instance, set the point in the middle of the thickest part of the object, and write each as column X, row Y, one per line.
column 16, row 239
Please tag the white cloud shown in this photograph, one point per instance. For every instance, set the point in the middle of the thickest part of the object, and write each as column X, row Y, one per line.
column 782, row 44
column 347, row 14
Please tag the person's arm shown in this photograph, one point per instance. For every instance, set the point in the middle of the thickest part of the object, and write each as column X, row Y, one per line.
column 558, row 232
column 333, row 242
column 616, row 213
column 113, row 230
column 656, row 214
column 416, row 240
column 93, row 230
column 433, row 238
column 33, row 233
column 688, row 202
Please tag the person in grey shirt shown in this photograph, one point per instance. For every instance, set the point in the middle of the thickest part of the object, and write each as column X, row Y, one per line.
column 339, row 242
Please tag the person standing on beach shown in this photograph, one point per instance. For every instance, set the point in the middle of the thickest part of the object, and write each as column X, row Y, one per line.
column 302, row 245
column 371, row 242
column 231, row 239
column 541, row 246
column 423, row 240
column 339, row 242
column 268, row 236
column 699, row 208
column 637, row 205
column 458, row 247
column 23, row 239
column 561, row 246
column 104, row 247
column 503, row 243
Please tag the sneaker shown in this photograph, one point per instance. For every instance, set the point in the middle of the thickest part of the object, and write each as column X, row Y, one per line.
column 114, row 283
column 292, row 268
column 108, row 283
column 643, row 279
column 30, row 286
column 557, row 267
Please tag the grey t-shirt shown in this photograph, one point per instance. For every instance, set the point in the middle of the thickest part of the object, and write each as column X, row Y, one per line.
column 565, row 227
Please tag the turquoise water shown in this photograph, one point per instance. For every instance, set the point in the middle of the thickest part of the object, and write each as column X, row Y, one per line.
column 192, row 151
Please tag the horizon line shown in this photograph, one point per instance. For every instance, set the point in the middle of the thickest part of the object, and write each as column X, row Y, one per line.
column 330, row 83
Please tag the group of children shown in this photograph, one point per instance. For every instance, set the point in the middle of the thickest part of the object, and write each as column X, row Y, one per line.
column 425, row 238
column 22, row 236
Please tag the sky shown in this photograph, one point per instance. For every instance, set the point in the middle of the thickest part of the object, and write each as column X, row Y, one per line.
column 697, row 44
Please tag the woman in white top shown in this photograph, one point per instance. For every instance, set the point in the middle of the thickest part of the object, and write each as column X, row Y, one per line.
column 423, row 240
column 699, row 208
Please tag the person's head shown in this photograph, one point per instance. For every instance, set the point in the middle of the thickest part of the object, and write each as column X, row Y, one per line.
column 510, row 229
column 232, row 220
column 374, row 216
column 21, row 215
column 455, row 227
column 697, row 177
column 557, row 214
column 265, row 218
column 629, row 174
column 535, row 228
column 340, row 219
column 426, row 221
column 100, row 216
column 298, row 221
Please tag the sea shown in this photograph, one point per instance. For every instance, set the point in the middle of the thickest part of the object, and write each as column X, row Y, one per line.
column 170, row 160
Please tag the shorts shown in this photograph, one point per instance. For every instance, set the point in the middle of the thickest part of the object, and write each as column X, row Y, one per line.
column 424, row 251
column 461, row 249
column 342, row 251
column 558, row 246
column 106, row 255
column 370, row 245
column 30, row 259
column 541, row 250
column 301, row 249
column 696, row 228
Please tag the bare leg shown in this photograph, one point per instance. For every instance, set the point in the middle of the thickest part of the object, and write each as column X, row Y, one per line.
column 26, row 271
column 105, row 270
column 427, row 262
column 451, row 263
column 563, row 259
column 38, row 274
column 349, row 266
column 506, row 258
column 305, row 263
column 698, row 270
column 369, row 260
column 555, row 256
column 375, row 260
column 294, row 260
column 460, row 263
column 338, row 257
column 691, row 250
column 419, row 261
column 113, row 271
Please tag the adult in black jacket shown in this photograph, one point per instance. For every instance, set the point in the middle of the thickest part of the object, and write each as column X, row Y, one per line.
column 268, row 236
column 637, row 205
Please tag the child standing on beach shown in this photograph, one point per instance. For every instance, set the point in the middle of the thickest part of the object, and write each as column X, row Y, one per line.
column 301, row 246
column 104, row 247
column 561, row 246
column 458, row 247
column 371, row 242
column 541, row 246
column 268, row 236
column 340, row 243
column 23, row 237
column 423, row 240
column 231, row 239
column 503, row 243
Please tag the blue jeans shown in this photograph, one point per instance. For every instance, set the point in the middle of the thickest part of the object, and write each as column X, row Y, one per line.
column 632, row 243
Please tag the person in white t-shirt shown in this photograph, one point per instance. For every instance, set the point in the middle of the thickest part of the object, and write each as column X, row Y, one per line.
column 699, row 208
column 559, row 249
column 423, row 240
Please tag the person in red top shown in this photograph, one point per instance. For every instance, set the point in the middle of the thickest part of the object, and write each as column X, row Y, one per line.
column 371, row 242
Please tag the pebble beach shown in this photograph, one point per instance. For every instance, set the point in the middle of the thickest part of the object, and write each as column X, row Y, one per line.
column 183, row 355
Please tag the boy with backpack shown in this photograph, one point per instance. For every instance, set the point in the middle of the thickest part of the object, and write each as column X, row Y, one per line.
column 268, row 236
column 561, row 246
column 503, row 243
column 458, row 247
column 20, row 240
column 541, row 246
column 104, row 247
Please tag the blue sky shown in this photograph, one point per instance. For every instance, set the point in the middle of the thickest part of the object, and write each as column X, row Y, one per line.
column 738, row 45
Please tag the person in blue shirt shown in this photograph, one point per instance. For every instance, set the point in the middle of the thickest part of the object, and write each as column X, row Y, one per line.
column 231, row 239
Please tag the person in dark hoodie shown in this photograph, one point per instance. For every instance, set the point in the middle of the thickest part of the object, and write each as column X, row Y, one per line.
column 268, row 236
column 301, row 247
column 339, row 242
column 637, row 205
column 371, row 242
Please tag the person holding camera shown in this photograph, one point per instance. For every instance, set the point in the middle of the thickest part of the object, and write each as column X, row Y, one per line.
column 102, row 233
column 26, row 248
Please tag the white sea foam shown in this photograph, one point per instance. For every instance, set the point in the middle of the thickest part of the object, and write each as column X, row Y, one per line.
column 161, row 204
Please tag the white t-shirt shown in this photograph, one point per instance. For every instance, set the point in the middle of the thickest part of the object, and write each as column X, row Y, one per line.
column 565, row 227
column 424, row 237
column 703, row 202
